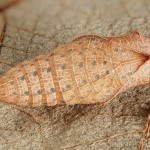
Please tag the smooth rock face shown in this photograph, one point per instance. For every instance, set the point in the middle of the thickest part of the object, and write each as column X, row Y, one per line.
column 35, row 27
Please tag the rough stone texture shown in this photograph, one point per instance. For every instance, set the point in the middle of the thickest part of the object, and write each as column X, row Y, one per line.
column 36, row 27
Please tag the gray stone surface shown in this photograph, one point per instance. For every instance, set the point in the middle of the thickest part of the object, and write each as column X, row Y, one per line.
column 36, row 27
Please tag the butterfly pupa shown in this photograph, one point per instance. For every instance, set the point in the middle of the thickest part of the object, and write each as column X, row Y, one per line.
column 88, row 70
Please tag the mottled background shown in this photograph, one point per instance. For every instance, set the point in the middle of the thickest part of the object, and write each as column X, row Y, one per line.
column 38, row 26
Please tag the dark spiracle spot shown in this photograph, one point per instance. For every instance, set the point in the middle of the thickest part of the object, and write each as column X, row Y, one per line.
column 26, row 93
column 93, row 63
column 104, row 62
column 116, row 49
column 63, row 67
column 23, row 78
column 93, row 38
column 48, row 69
column 80, row 64
column 39, row 92
column 108, row 91
column 14, row 93
column 68, row 86
column 85, row 48
column 52, row 90
column 107, row 72
column 84, row 81
column 97, row 77
column 35, row 73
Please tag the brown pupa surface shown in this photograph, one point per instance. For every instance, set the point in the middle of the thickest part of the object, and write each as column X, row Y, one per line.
column 90, row 69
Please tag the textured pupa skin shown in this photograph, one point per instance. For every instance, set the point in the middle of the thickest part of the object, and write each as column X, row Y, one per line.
column 90, row 69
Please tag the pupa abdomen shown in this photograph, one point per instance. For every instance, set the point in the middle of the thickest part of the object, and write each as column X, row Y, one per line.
column 88, row 70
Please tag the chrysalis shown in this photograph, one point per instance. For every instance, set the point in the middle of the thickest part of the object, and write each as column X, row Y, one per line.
column 88, row 70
